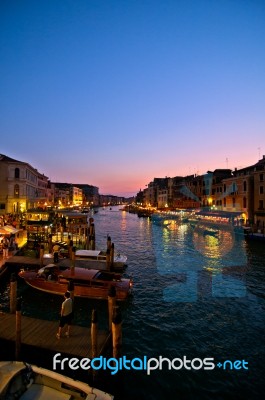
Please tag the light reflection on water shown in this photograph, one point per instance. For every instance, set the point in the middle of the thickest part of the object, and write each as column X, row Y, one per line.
column 196, row 293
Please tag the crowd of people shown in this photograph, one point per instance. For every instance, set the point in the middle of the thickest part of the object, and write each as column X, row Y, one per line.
column 8, row 241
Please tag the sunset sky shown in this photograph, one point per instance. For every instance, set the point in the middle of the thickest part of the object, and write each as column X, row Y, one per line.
column 114, row 93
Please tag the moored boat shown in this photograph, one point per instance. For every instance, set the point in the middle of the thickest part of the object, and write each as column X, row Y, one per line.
column 98, row 255
column 88, row 283
column 29, row 382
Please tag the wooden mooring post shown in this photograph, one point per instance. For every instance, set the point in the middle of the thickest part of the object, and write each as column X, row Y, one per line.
column 94, row 238
column 73, row 261
column 92, row 235
column 70, row 246
column 108, row 263
column 50, row 243
column 108, row 242
column 111, row 304
column 41, row 255
column 13, row 293
column 18, row 328
column 116, row 332
column 112, row 256
column 94, row 334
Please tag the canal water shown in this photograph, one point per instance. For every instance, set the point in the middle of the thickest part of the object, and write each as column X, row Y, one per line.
column 199, row 293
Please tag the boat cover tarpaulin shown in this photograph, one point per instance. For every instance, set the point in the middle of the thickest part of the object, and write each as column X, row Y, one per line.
column 220, row 214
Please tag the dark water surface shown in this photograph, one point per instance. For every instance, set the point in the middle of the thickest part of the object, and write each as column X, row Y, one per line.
column 199, row 292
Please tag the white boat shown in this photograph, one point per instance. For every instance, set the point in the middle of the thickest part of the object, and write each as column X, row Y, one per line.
column 29, row 382
column 98, row 255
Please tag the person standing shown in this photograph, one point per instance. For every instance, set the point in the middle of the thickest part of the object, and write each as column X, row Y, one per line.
column 56, row 249
column 5, row 247
column 66, row 315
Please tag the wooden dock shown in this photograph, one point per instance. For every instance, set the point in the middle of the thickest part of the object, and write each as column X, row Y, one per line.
column 16, row 262
column 41, row 334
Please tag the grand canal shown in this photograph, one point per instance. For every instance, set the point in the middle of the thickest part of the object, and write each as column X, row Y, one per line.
column 199, row 292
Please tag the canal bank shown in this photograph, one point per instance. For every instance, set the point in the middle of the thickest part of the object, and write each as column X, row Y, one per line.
column 199, row 295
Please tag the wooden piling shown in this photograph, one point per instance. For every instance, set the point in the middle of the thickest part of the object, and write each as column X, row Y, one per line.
column 41, row 254
column 108, row 260
column 108, row 242
column 92, row 229
column 70, row 246
column 13, row 293
column 94, row 334
column 111, row 303
column 89, row 242
column 116, row 332
column 93, row 242
column 18, row 328
column 50, row 243
column 112, row 255
column 91, row 220
column 73, row 261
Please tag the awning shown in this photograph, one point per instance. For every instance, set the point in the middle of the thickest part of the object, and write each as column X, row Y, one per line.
column 9, row 229
column 220, row 214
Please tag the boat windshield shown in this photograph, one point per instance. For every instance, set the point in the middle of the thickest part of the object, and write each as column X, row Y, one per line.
column 105, row 276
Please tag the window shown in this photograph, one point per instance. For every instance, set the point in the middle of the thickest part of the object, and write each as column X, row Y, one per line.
column 17, row 173
column 244, row 202
column 234, row 202
column 245, row 186
column 261, row 206
column 261, row 190
column 16, row 191
column 224, row 202
column 261, row 177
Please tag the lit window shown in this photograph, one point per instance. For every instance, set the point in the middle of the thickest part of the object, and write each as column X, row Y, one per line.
column 16, row 191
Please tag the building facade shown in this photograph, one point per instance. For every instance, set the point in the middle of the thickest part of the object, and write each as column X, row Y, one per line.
column 239, row 192
column 21, row 186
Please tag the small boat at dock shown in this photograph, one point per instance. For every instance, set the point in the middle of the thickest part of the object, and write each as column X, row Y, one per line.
column 22, row 381
column 98, row 255
column 88, row 283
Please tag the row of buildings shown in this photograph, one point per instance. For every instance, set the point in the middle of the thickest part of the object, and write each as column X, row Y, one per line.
column 239, row 191
column 23, row 187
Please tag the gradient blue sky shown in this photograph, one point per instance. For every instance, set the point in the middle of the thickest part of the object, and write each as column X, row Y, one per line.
column 115, row 93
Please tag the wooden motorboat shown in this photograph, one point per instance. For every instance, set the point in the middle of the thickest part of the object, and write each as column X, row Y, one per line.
column 29, row 382
column 89, row 283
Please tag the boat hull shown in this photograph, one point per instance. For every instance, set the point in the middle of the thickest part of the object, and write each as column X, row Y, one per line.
column 19, row 380
column 84, row 283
